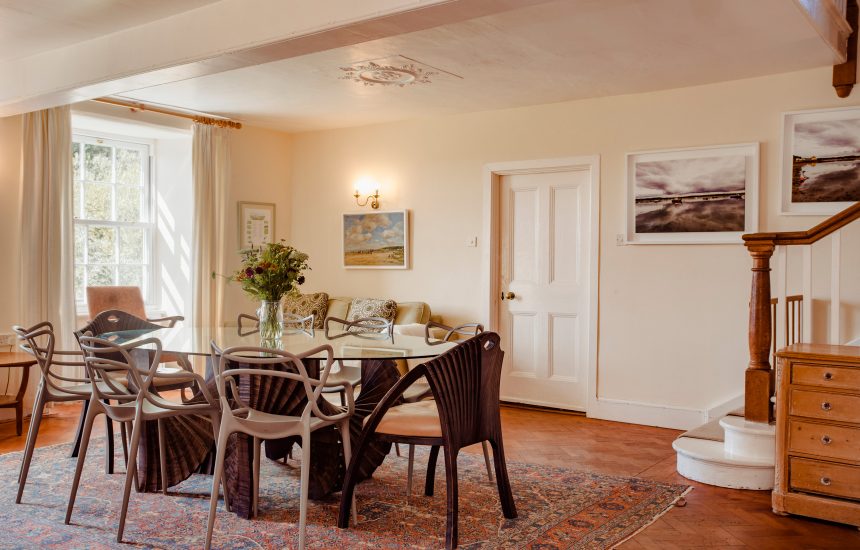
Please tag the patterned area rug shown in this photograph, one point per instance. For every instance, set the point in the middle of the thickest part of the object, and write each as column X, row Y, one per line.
column 558, row 508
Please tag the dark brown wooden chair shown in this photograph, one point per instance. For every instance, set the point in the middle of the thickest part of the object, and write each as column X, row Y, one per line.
column 464, row 382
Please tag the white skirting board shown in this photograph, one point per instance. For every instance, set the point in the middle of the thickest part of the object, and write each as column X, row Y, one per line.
column 663, row 416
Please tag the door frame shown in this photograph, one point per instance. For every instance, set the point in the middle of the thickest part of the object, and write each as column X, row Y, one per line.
column 490, row 256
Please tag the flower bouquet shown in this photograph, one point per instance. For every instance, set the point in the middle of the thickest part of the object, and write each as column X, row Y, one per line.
column 268, row 273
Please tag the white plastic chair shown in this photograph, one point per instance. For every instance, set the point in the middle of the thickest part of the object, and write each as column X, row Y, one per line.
column 239, row 417
column 39, row 341
column 106, row 360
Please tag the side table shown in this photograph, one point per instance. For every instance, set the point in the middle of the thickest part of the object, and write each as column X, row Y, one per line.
column 10, row 359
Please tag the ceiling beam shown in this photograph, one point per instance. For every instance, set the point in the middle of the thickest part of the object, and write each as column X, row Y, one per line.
column 218, row 37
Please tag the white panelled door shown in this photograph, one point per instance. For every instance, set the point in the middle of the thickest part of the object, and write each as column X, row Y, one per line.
column 543, row 316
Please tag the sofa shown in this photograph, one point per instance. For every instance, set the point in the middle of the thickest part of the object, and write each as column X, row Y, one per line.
column 408, row 313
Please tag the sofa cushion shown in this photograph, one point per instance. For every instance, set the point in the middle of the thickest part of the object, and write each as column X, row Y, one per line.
column 412, row 312
column 307, row 304
column 338, row 307
column 361, row 308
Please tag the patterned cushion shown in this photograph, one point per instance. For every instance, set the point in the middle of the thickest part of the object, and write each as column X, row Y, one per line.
column 305, row 304
column 361, row 308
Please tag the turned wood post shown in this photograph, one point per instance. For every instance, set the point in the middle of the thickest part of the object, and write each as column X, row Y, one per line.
column 759, row 375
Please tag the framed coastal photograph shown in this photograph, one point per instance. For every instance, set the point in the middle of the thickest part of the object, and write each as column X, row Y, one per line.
column 698, row 195
column 376, row 240
column 256, row 223
column 820, row 161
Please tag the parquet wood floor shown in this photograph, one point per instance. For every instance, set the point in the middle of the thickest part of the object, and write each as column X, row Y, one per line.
column 712, row 518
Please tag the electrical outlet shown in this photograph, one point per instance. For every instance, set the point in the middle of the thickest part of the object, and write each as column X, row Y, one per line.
column 7, row 339
column 619, row 240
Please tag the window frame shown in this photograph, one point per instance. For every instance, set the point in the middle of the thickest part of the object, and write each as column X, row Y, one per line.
column 149, row 226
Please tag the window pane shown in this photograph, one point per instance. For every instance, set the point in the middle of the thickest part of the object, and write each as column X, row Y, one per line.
column 76, row 199
column 131, row 246
column 128, row 200
column 80, row 243
column 97, row 201
column 128, row 167
column 100, row 275
column 131, row 275
column 76, row 160
column 80, row 286
column 97, row 160
column 100, row 245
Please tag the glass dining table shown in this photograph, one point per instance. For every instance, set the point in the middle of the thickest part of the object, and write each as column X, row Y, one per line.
column 189, row 442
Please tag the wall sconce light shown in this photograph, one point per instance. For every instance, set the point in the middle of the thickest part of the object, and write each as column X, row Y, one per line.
column 364, row 186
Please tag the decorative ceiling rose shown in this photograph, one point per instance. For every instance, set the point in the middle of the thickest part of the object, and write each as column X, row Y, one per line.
column 371, row 74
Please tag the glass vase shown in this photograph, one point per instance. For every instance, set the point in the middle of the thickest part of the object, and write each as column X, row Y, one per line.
column 271, row 316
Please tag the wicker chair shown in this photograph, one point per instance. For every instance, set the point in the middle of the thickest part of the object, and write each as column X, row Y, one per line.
column 464, row 382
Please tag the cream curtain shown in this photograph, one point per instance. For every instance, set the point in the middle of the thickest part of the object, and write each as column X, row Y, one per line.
column 211, row 176
column 47, row 241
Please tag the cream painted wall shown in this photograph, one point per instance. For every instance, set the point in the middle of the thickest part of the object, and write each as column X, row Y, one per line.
column 260, row 172
column 673, row 318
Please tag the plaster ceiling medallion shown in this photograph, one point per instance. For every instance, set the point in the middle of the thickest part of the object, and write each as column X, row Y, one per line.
column 396, row 71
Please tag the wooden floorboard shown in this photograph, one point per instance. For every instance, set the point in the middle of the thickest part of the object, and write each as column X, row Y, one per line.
column 713, row 517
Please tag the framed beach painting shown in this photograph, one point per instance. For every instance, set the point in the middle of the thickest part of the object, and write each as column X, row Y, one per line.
column 256, row 224
column 820, row 161
column 376, row 240
column 701, row 195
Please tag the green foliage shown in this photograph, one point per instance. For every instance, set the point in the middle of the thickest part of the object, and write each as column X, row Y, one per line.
column 271, row 271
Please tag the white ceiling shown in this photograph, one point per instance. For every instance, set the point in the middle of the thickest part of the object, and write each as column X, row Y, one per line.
column 36, row 26
column 524, row 52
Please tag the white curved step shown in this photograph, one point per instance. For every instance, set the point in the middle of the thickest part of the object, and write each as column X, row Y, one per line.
column 708, row 462
column 753, row 440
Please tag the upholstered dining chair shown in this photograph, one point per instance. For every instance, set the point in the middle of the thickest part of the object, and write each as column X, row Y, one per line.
column 123, row 298
column 237, row 416
column 434, row 334
column 464, row 382
column 40, row 341
column 106, row 364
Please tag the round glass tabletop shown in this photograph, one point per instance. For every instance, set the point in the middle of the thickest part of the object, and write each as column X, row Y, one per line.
column 196, row 341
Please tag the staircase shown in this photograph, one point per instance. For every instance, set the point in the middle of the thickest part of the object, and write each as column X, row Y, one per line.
column 738, row 450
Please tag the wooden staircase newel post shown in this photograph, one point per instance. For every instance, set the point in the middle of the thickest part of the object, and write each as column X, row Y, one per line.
column 759, row 375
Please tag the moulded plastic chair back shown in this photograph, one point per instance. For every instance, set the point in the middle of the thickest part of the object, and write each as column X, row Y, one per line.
column 238, row 363
column 39, row 341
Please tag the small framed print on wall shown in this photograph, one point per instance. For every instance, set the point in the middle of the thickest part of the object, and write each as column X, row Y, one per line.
column 820, row 161
column 256, row 224
column 698, row 195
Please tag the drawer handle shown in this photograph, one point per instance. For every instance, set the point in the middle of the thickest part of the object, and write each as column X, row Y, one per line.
column 828, row 376
column 825, row 481
column 826, row 440
column 826, row 406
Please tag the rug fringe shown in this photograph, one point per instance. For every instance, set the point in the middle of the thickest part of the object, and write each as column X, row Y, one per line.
column 658, row 516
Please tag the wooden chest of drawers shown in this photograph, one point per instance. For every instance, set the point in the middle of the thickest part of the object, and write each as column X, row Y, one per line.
column 818, row 432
